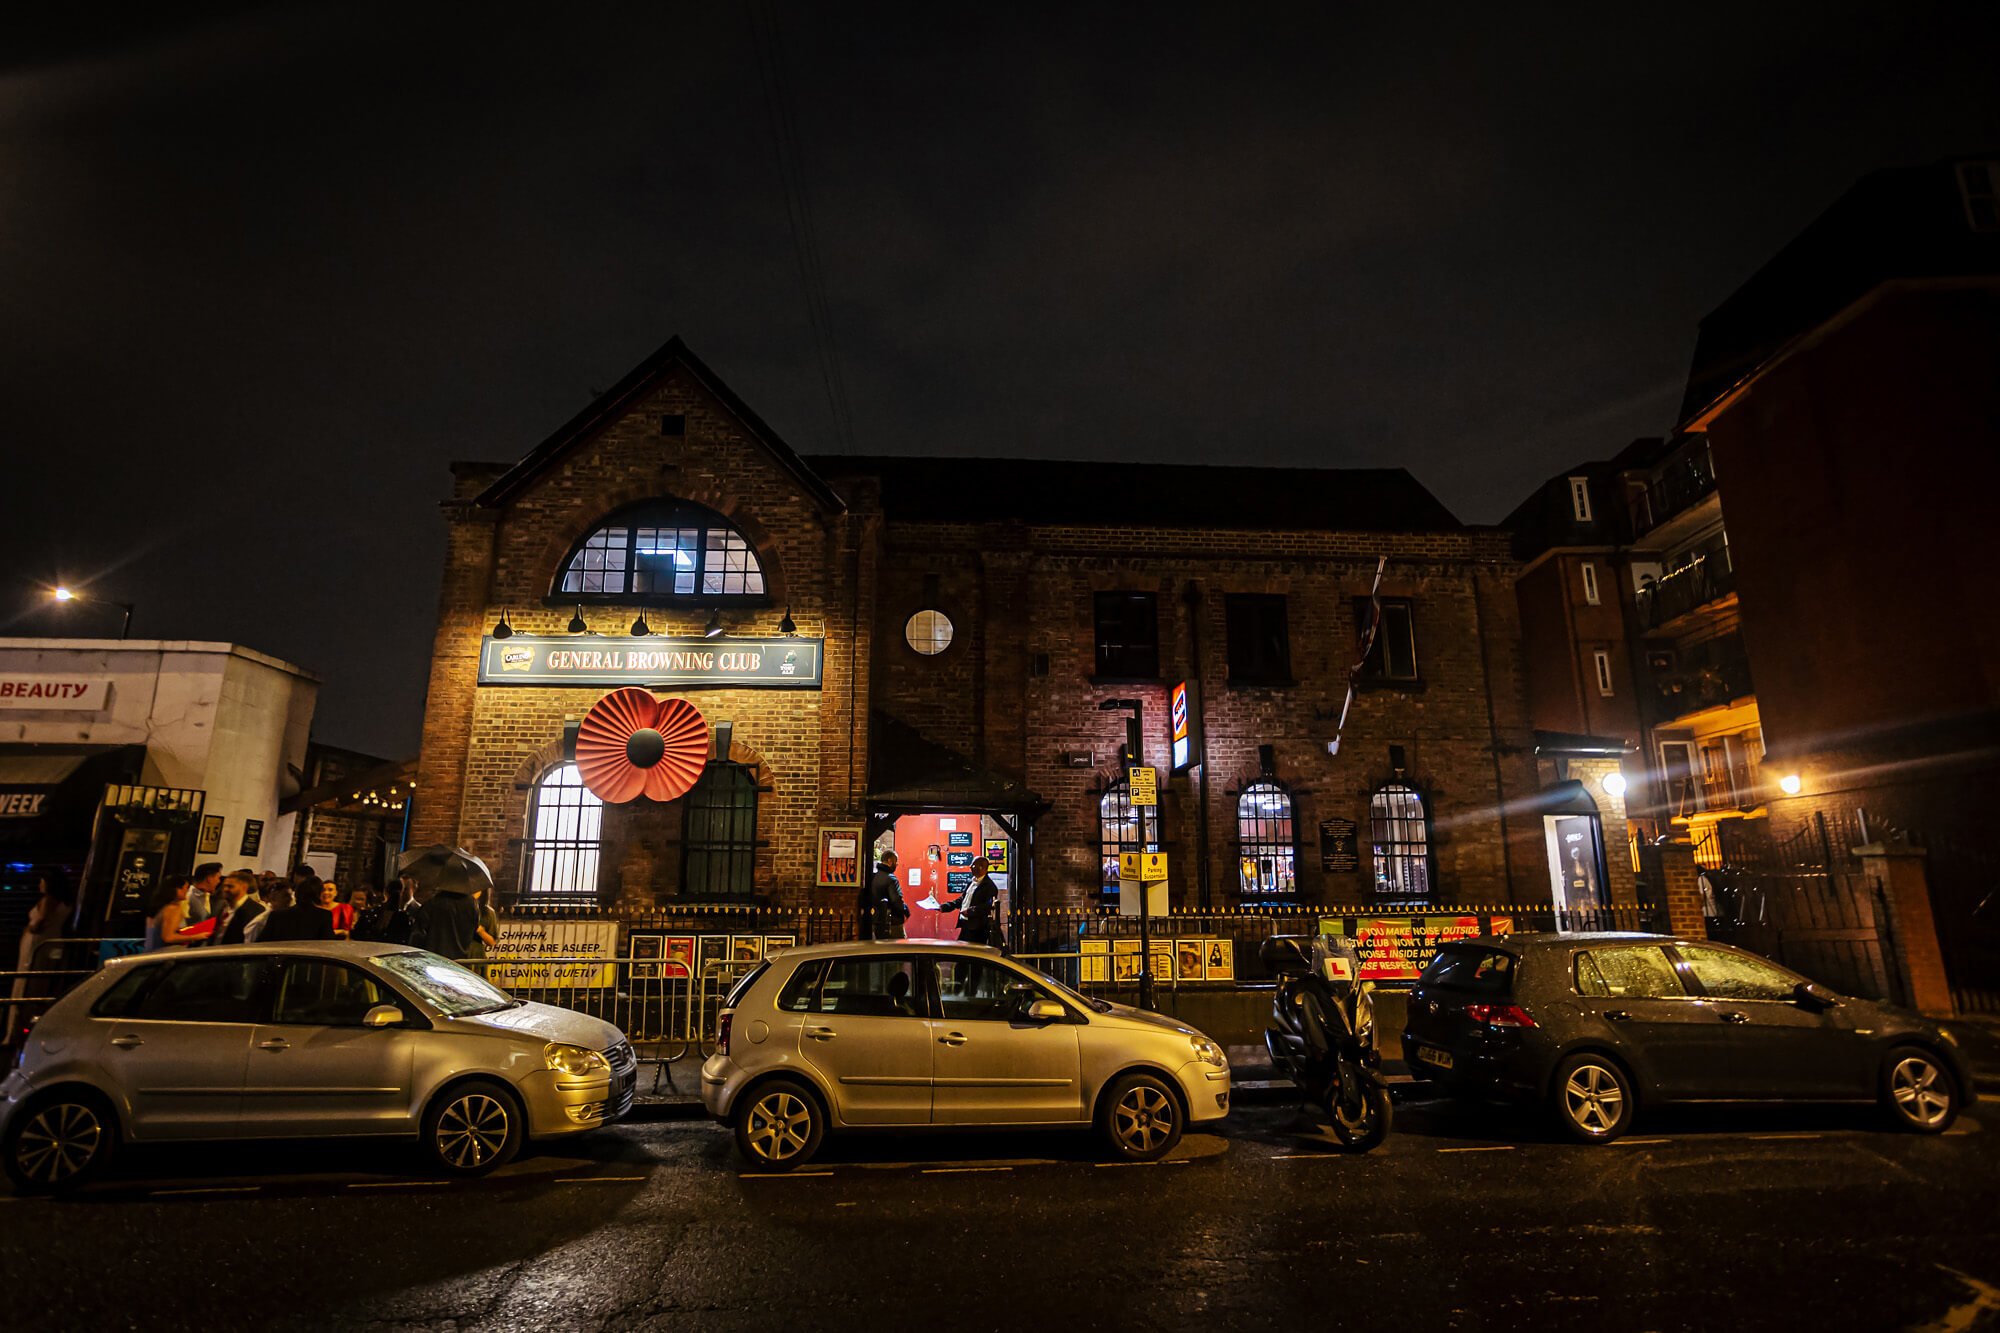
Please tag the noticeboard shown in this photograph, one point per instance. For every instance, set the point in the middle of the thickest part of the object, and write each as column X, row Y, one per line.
column 840, row 856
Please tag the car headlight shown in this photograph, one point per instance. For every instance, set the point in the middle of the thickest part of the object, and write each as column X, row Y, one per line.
column 1207, row 1052
column 567, row 1059
column 1945, row 1033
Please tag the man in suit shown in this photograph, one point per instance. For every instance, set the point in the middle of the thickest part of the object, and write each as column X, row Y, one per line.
column 978, row 907
column 305, row 919
column 239, row 908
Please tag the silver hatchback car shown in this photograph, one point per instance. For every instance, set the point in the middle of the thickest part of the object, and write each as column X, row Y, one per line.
column 302, row 1040
column 919, row 1034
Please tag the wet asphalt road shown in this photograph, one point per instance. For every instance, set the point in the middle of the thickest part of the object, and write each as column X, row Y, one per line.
column 1466, row 1219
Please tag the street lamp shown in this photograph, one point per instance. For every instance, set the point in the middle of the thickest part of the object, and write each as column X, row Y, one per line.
column 64, row 594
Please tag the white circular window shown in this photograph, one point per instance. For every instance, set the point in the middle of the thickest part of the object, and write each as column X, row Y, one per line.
column 928, row 632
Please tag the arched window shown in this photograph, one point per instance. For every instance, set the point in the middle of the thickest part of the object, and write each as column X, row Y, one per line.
column 1267, row 854
column 661, row 551
column 1402, row 842
column 719, row 838
column 1123, row 827
column 565, row 834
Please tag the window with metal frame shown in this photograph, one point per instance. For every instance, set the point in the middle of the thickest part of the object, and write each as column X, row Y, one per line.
column 1393, row 654
column 662, row 551
column 565, row 836
column 719, row 840
column 1267, row 852
column 1122, row 827
column 1128, row 635
column 1401, row 824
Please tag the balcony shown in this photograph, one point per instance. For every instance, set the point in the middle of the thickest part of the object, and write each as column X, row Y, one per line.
column 1694, row 585
column 1720, row 790
column 1683, row 483
column 1712, row 675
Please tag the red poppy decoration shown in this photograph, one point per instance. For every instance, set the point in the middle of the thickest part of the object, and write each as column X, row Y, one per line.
column 632, row 744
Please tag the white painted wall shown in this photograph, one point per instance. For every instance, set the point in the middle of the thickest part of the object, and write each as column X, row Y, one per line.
column 217, row 716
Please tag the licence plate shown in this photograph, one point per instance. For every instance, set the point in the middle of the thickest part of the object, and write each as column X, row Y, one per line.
column 1442, row 1059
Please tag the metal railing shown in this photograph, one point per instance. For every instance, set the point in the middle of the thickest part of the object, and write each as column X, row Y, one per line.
column 1703, row 580
column 1681, row 484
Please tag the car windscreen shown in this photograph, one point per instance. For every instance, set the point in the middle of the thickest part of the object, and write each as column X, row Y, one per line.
column 1481, row 971
column 444, row 985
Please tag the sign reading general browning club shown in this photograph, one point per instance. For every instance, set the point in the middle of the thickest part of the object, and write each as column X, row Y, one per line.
column 602, row 659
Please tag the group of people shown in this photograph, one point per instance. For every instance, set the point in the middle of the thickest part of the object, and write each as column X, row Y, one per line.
column 880, row 910
column 249, row 907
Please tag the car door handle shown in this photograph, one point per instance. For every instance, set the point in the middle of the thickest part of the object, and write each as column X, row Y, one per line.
column 1733, row 1017
column 274, row 1044
column 953, row 1039
column 821, row 1034
column 1618, row 1016
column 127, row 1043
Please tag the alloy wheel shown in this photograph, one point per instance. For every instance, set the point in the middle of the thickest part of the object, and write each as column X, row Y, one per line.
column 780, row 1123
column 58, row 1143
column 1143, row 1118
column 1920, row 1092
column 472, row 1130
column 1593, row 1099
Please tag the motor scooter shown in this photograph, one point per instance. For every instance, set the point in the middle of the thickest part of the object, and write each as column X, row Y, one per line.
column 1322, row 1035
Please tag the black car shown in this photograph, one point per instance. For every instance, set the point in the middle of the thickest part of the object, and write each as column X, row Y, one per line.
column 1599, row 1025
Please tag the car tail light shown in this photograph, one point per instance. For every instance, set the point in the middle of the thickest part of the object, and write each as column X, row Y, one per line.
column 1500, row 1015
column 722, row 1033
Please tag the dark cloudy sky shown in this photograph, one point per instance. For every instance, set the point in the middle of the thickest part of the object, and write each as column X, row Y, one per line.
column 264, row 271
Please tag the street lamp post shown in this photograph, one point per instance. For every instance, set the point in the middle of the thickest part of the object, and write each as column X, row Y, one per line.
column 64, row 594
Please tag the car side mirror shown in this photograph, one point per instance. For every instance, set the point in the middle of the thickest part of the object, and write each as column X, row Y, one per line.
column 382, row 1016
column 1046, row 1011
column 1814, row 996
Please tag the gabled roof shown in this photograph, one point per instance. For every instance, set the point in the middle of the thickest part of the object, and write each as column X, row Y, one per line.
column 614, row 401
column 1167, row 495
column 906, row 768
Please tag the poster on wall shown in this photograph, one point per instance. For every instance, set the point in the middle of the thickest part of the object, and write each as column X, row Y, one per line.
column 713, row 949
column 996, row 855
column 210, row 843
column 678, row 964
column 1162, row 956
column 1339, row 850
column 777, row 944
column 1220, row 961
column 1188, row 956
column 1125, row 960
column 533, row 954
column 1397, row 948
column 1095, row 963
column 647, row 951
column 840, row 856
column 746, row 948
column 253, row 837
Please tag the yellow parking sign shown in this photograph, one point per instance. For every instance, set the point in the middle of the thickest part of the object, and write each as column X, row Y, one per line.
column 1145, row 784
column 1142, row 867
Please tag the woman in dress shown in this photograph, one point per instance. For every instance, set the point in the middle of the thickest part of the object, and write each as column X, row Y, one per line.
column 167, row 913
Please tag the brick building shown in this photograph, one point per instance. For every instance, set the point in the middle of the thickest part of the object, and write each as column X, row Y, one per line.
column 943, row 653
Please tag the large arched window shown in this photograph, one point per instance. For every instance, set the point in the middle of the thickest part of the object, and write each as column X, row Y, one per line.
column 1402, row 843
column 719, row 838
column 1123, row 827
column 565, row 834
column 1267, row 854
column 661, row 551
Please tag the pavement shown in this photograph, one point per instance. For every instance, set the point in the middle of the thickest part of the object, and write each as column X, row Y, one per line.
column 1467, row 1218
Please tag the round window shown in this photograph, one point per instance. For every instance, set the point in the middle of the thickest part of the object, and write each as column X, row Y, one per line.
column 928, row 632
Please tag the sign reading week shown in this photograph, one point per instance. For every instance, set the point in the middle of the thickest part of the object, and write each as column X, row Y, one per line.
column 602, row 659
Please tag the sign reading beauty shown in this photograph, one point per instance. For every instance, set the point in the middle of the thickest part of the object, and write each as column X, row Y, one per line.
column 602, row 659
column 75, row 693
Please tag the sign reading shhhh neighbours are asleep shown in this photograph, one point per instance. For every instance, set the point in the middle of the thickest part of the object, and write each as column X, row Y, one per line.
column 602, row 659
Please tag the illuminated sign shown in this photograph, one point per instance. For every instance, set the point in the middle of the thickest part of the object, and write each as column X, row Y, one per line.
column 1184, row 724
column 603, row 659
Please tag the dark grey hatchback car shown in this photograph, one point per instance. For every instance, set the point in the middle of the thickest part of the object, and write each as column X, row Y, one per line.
column 1597, row 1026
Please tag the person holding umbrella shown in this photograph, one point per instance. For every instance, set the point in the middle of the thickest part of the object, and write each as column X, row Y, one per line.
column 448, row 923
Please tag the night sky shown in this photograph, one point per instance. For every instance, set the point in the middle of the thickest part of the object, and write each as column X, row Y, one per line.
column 263, row 272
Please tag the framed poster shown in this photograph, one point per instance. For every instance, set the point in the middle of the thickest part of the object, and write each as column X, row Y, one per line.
column 996, row 855
column 211, row 836
column 746, row 948
column 1162, row 956
column 1188, row 958
column 711, row 949
column 253, row 837
column 1220, row 964
column 777, row 944
column 1339, row 853
column 1125, row 960
column 647, row 951
column 840, row 856
column 678, row 964
column 1095, row 963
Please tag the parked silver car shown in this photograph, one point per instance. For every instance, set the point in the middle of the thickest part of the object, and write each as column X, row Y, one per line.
column 909, row 1034
column 302, row 1040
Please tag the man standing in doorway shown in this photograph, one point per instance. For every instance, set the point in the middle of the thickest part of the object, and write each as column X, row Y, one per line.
column 978, row 907
column 881, row 910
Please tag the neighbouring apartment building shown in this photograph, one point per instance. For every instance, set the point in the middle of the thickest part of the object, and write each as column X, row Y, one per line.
column 807, row 660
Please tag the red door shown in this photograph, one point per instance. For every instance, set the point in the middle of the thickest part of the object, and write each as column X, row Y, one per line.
column 934, row 853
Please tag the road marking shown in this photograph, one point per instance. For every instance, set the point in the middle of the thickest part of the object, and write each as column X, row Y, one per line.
column 212, row 1189
column 594, row 1180
column 790, row 1175
column 1306, row 1156
column 1183, row 1161
column 395, row 1184
column 848, row 1204
column 1640, row 1143
column 1497, row 1147
column 962, row 1170
column 1782, row 1136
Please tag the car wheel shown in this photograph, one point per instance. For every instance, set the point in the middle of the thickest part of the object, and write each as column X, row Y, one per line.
column 1919, row 1091
column 473, row 1128
column 1594, row 1098
column 779, row 1126
column 1140, row 1119
column 60, row 1142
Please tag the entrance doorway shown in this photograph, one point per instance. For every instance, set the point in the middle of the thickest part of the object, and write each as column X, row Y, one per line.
column 934, row 855
column 1576, row 871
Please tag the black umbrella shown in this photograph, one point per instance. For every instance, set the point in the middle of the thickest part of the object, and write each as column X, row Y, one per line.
column 445, row 869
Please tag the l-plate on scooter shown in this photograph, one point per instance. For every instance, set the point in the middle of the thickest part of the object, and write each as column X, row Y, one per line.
column 1322, row 1035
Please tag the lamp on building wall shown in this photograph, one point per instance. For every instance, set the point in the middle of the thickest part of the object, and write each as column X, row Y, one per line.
column 640, row 629
column 787, row 626
column 1790, row 784
column 576, row 625
column 503, row 630
column 1614, row 783
column 714, row 625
